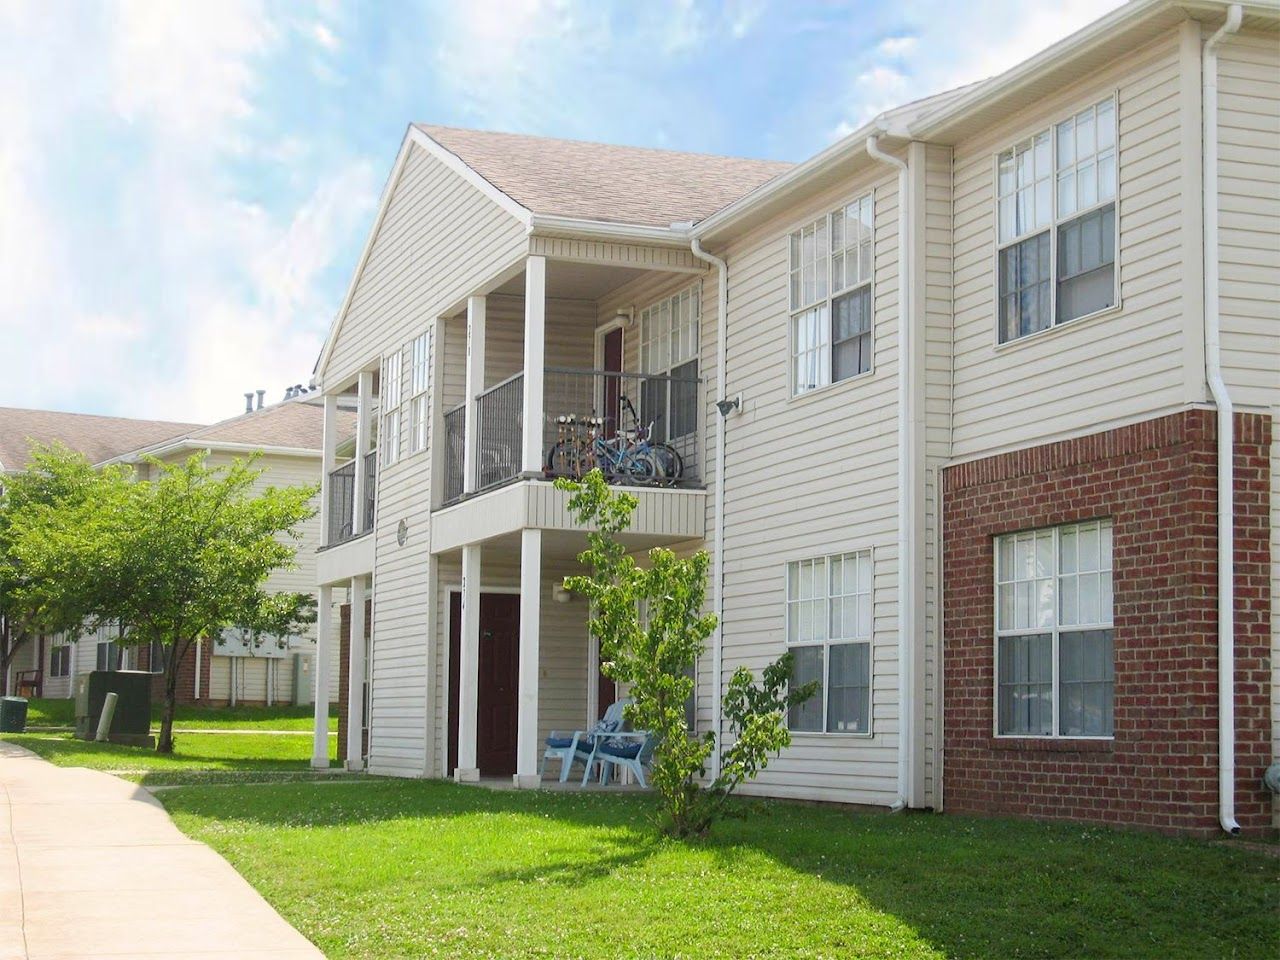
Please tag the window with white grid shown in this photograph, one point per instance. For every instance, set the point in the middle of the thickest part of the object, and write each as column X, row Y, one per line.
column 419, row 360
column 1055, row 669
column 829, row 630
column 830, row 272
column 1056, row 216
column 669, row 350
column 392, row 391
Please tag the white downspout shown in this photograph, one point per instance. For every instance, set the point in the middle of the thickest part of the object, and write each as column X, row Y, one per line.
column 906, row 472
column 1226, row 435
column 717, row 548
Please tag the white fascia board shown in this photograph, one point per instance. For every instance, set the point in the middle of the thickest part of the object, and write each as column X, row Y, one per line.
column 169, row 447
column 547, row 225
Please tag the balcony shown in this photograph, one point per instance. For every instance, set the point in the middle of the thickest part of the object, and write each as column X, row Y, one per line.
column 342, row 500
column 639, row 429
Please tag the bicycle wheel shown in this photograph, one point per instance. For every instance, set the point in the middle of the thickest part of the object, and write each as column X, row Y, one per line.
column 668, row 463
column 564, row 459
column 637, row 466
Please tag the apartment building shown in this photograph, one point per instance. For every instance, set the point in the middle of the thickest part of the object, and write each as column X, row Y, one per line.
column 975, row 411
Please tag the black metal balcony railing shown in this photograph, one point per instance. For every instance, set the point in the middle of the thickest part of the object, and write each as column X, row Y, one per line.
column 342, row 496
column 455, row 438
column 370, row 488
column 639, row 429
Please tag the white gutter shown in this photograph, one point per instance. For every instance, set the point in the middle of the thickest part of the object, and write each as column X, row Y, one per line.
column 1226, row 434
column 906, row 483
column 543, row 224
column 717, row 556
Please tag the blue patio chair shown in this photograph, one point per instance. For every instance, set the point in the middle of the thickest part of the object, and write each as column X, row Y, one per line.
column 569, row 747
column 629, row 749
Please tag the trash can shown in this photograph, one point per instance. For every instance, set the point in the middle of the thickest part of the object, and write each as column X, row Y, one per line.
column 13, row 714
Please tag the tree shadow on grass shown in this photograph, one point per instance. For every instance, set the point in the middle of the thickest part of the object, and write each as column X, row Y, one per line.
column 969, row 887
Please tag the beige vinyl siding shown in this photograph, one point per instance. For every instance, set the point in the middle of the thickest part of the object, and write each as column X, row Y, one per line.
column 251, row 675
column 401, row 603
column 937, row 314
column 1249, row 216
column 808, row 477
column 440, row 240
column 1119, row 365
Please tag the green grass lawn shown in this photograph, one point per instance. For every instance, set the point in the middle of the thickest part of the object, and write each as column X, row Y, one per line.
column 418, row 868
column 194, row 753
column 44, row 712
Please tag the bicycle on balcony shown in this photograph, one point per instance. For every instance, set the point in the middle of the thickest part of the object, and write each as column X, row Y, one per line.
column 624, row 456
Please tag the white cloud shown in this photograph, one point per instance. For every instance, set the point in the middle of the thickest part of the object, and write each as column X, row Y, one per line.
column 324, row 36
column 949, row 45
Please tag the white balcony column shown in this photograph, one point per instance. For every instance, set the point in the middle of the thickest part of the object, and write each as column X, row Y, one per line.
column 475, row 386
column 535, row 325
column 356, row 653
column 364, row 436
column 527, row 742
column 469, row 667
column 324, row 627
column 328, row 456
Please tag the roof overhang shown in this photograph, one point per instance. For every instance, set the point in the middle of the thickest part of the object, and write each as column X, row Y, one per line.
column 195, row 445
column 949, row 118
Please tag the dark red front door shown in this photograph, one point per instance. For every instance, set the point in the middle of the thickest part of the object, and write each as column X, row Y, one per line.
column 606, row 690
column 612, row 385
column 498, row 676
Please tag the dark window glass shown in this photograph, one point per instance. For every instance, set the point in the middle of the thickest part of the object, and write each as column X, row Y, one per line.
column 1026, row 685
column 851, row 334
column 806, row 666
column 1086, row 680
column 849, row 688
column 1086, row 264
column 1025, row 298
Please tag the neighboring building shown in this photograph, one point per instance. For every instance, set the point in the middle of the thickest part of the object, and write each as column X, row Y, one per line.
column 287, row 436
column 967, row 463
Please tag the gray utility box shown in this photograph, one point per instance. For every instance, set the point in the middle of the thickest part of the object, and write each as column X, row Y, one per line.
column 131, row 724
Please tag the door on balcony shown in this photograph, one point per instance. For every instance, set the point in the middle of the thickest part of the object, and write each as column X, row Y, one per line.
column 498, row 678
column 611, row 362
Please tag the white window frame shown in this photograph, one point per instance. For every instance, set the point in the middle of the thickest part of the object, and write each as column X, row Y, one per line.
column 392, row 395
column 651, row 315
column 868, row 639
column 55, row 652
column 419, row 381
column 797, row 306
column 1056, row 629
column 1055, row 221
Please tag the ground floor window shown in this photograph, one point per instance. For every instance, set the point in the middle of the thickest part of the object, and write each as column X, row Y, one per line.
column 109, row 656
column 157, row 657
column 829, row 630
column 1055, row 656
column 60, row 660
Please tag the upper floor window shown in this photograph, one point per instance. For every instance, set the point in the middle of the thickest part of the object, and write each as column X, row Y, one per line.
column 829, row 628
column 389, row 438
column 669, row 351
column 418, row 377
column 1056, row 207
column 1055, row 660
column 831, row 265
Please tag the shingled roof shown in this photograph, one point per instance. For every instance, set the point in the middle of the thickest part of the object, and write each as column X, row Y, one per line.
column 292, row 424
column 98, row 438
column 603, row 182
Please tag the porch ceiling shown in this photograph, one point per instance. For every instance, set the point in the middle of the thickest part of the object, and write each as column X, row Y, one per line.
column 567, row 280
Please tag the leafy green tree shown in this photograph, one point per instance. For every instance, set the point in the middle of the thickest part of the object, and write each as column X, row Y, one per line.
column 43, row 586
column 182, row 556
column 650, row 625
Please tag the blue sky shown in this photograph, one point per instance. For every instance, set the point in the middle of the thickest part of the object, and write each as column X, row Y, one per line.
column 185, row 187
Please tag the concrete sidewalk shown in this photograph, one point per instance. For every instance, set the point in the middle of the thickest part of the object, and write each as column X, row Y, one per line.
column 92, row 866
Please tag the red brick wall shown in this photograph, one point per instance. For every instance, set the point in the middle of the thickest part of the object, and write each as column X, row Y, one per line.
column 1157, row 481
column 344, row 670
column 186, row 676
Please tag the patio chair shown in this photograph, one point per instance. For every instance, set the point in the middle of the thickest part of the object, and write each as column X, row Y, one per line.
column 579, row 745
column 630, row 749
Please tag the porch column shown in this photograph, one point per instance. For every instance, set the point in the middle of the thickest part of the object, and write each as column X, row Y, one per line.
column 355, row 677
column 364, row 411
column 475, row 386
column 324, row 626
column 328, row 450
column 535, row 323
column 469, row 667
column 527, row 698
